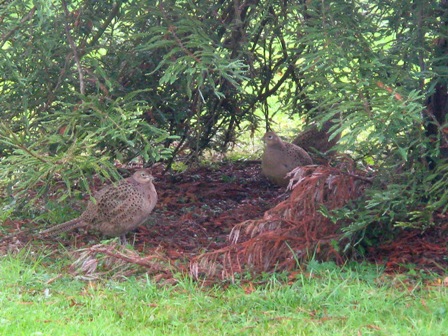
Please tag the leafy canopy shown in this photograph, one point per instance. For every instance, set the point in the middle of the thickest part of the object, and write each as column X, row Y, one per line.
column 85, row 83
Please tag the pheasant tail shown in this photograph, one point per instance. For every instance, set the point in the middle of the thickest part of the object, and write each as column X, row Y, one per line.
column 67, row 226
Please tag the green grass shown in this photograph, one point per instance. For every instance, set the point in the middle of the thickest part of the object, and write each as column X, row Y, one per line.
column 40, row 298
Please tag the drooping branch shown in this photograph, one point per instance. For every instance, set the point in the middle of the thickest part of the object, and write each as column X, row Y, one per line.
column 27, row 17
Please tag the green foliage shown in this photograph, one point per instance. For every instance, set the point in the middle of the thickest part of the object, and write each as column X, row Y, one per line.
column 380, row 72
column 74, row 143
column 90, row 82
column 61, row 120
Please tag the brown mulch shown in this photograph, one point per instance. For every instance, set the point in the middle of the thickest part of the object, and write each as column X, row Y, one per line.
column 198, row 209
column 426, row 250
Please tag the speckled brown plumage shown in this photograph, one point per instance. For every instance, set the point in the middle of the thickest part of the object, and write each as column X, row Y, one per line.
column 119, row 208
column 317, row 141
column 280, row 157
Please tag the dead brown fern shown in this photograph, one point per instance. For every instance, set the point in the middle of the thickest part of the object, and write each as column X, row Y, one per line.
column 290, row 232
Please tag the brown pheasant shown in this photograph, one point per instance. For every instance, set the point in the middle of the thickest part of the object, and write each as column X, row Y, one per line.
column 280, row 157
column 117, row 209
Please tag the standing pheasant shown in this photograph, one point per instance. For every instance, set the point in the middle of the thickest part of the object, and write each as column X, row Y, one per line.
column 117, row 209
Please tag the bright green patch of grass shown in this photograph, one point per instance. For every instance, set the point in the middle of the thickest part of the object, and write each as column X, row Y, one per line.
column 38, row 298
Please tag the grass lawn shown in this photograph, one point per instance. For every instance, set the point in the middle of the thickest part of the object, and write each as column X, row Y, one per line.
column 39, row 298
